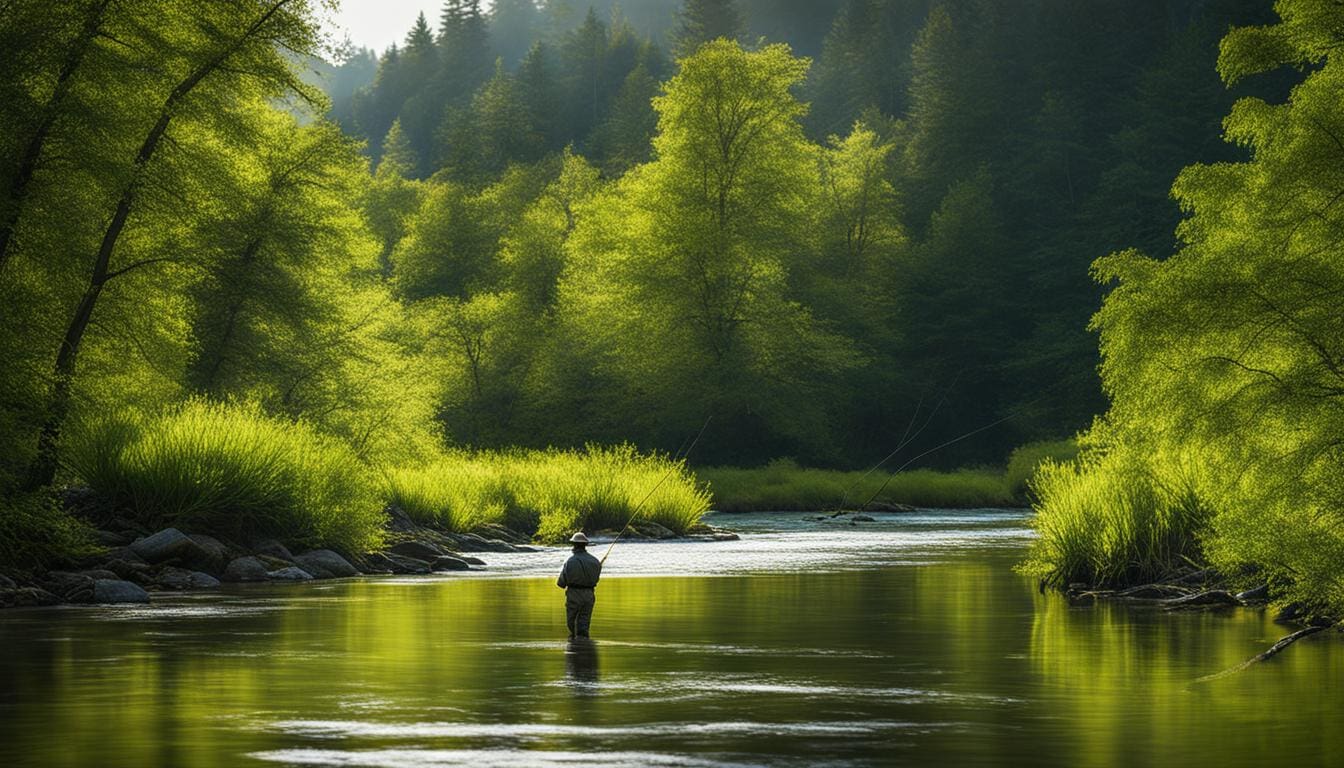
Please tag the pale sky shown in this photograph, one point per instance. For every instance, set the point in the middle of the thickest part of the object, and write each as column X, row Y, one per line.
column 377, row 24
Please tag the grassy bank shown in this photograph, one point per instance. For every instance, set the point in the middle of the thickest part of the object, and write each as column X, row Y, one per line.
column 783, row 485
column 232, row 471
column 235, row 472
column 548, row 493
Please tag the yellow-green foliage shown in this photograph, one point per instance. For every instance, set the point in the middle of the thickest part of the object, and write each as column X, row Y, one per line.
column 783, row 485
column 234, row 471
column 549, row 493
column 1114, row 518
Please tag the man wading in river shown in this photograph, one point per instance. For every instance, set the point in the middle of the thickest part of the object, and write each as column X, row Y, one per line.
column 578, row 578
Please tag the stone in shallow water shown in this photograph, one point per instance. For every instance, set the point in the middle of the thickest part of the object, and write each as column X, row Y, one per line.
column 245, row 569
column 325, row 564
column 172, row 577
column 201, row 580
column 418, row 550
column 110, row 591
column 449, row 563
column 291, row 573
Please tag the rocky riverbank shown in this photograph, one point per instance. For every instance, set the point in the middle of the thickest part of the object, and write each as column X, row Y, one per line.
column 135, row 563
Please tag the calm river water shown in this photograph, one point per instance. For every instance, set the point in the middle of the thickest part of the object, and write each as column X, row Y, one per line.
column 904, row 641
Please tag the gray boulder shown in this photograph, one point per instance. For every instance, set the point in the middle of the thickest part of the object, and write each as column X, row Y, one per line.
column 70, row 587
column 245, row 569
column 125, row 569
column 201, row 580
column 468, row 559
column 219, row 553
column 273, row 548
column 418, row 550
column 449, row 563
column 325, row 564
column 393, row 563
column 291, row 573
column 172, row 577
column 100, row 573
column 171, row 544
column 116, row 591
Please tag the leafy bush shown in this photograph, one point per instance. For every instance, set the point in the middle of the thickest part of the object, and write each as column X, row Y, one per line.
column 548, row 493
column 234, row 471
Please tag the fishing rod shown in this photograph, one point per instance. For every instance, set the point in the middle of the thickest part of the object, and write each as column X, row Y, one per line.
column 1012, row 414
column 676, row 465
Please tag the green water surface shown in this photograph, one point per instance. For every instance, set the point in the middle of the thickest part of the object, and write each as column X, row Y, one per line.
column 909, row 641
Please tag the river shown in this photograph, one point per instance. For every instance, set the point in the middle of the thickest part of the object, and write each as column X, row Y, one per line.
column 908, row 640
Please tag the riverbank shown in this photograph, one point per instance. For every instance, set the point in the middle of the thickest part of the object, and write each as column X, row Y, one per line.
column 132, row 564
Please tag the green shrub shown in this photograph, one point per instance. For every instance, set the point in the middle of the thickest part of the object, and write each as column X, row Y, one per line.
column 548, row 493
column 233, row 471
column 1115, row 519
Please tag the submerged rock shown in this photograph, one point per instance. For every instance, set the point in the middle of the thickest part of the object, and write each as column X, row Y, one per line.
column 110, row 591
column 245, row 569
column 325, row 564
column 292, row 573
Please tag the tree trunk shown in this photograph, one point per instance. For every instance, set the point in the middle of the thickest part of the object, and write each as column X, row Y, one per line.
column 32, row 152
column 42, row 471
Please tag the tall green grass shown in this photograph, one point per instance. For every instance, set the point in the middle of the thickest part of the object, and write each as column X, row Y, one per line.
column 1115, row 519
column 1026, row 459
column 233, row 471
column 549, row 494
column 784, row 486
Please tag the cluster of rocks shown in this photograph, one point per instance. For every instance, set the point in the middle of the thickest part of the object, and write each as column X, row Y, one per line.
column 133, row 566
column 136, row 563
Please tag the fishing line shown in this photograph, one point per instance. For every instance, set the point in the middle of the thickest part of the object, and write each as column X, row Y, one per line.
column 676, row 465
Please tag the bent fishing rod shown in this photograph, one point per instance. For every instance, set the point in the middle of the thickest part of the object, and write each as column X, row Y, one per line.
column 676, row 465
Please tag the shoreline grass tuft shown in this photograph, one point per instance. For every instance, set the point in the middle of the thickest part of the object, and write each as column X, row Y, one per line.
column 234, row 471
column 548, row 494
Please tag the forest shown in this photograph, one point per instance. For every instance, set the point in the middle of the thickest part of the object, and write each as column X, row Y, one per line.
column 231, row 247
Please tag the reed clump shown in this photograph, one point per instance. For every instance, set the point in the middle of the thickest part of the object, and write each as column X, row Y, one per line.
column 1116, row 518
column 234, row 471
column 548, row 494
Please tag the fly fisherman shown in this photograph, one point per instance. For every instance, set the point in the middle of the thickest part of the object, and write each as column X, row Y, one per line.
column 578, row 578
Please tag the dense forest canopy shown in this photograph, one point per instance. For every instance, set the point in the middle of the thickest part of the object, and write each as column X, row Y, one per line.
column 957, row 168
column 558, row 223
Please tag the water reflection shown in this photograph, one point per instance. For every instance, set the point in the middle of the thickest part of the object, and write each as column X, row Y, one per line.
column 581, row 665
column 953, row 661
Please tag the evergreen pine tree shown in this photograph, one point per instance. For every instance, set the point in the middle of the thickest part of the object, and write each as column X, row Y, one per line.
column 705, row 20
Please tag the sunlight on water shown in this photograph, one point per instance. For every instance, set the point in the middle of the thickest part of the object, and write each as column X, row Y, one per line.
column 908, row 639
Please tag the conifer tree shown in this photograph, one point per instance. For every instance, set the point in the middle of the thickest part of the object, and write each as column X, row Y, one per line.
column 705, row 20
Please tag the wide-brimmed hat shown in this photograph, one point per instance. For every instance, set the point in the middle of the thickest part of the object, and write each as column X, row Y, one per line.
column 578, row 538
